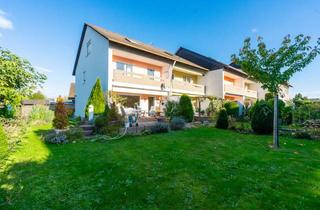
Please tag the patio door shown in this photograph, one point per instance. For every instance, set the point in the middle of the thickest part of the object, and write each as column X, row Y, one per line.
column 151, row 104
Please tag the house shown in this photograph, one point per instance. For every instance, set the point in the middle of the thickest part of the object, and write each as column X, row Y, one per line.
column 227, row 81
column 145, row 75
column 222, row 80
column 71, row 95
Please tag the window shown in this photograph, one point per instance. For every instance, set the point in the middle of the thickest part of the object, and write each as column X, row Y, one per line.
column 127, row 68
column 151, row 73
column 187, row 79
column 120, row 66
column 88, row 47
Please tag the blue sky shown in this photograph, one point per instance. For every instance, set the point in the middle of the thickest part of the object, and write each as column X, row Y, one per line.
column 47, row 33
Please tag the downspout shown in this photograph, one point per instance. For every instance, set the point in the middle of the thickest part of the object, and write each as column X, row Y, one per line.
column 170, row 77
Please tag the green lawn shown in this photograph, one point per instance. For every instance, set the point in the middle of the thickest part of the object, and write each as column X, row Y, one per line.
column 202, row 168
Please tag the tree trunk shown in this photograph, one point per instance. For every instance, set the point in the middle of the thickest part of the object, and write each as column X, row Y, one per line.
column 275, row 123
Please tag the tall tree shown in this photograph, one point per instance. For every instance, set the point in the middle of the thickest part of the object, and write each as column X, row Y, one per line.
column 273, row 68
column 96, row 99
column 18, row 78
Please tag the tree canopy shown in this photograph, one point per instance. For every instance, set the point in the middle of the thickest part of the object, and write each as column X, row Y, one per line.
column 18, row 78
column 38, row 96
column 273, row 68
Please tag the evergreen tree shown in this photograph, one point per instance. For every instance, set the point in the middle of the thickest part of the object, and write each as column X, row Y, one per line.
column 185, row 108
column 96, row 99
column 60, row 120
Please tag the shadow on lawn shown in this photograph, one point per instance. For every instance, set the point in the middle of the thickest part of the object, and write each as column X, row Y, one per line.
column 94, row 175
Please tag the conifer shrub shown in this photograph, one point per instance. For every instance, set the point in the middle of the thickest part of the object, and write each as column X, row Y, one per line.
column 222, row 121
column 96, row 99
column 60, row 120
column 185, row 108
column 232, row 108
column 177, row 123
column 262, row 118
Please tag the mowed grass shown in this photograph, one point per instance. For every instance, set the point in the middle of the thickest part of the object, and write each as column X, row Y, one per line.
column 203, row 168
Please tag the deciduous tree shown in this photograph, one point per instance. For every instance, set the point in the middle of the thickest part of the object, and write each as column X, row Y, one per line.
column 273, row 68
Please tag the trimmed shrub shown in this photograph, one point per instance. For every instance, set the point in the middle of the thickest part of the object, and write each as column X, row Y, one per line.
column 96, row 99
column 222, row 121
column 60, row 120
column 262, row 119
column 160, row 128
column 171, row 109
column 185, row 108
column 232, row 108
column 177, row 123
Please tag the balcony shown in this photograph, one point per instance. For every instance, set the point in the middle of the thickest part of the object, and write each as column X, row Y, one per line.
column 240, row 91
column 188, row 88
column 136, row 79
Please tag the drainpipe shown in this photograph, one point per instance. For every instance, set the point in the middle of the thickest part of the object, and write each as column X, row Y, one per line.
column 170, row 77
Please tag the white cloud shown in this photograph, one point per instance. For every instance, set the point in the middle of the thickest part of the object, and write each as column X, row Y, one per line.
column 1, row 35
column 42, row 69
column 254, row 30
column 5, row 23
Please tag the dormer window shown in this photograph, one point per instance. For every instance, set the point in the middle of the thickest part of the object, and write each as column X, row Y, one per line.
column 88, row 48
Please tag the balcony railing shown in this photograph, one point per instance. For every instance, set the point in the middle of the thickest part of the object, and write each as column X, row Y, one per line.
column 240, row 91
column 185, row 87
column 134, row 78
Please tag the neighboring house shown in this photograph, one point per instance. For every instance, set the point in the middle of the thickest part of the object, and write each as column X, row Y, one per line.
column 227, row 81
column 145, row 75
column 71, row 95
column 222, row 80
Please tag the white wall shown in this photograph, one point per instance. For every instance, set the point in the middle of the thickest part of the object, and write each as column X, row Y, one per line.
column 213, row 81
column 95, row 65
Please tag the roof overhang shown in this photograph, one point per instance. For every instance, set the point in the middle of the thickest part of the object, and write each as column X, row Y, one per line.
column 132, row 44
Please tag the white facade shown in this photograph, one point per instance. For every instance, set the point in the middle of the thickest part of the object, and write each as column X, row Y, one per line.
column 92, row 64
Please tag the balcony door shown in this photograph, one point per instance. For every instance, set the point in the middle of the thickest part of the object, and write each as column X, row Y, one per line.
column 151, row 104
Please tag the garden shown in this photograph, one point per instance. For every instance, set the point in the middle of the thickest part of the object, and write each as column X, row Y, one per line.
column 226, row 162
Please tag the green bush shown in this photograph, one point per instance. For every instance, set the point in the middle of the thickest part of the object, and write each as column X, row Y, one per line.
column 307, row 111
column 96, row 99
column 160, row 128
column 222, row 121
column 3, row 144
column 177, row 123
column 100, row 122
column 185, row 108
column 268, row 96
column 41, row 113
column 171, row 109
column 110, row 122
column 262, row 118
column 232, row 108
column 287, row 115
